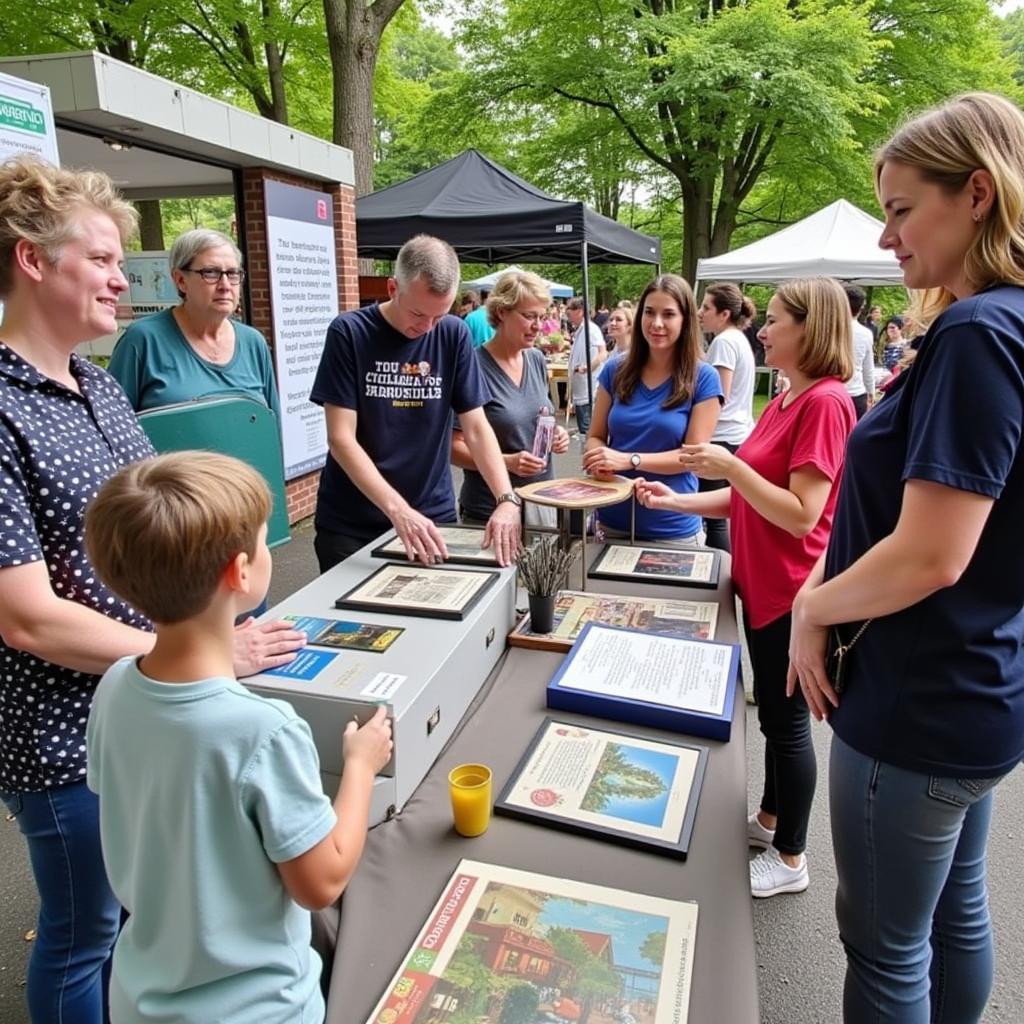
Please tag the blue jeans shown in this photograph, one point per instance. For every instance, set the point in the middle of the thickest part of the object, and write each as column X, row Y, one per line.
column 912, row 905
column 582, row 420
column 69, row 970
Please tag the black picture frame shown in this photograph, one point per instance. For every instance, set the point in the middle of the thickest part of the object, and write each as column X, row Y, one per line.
column 393, row 550
column 597, row 572
column 678, row 847
column 351, row 599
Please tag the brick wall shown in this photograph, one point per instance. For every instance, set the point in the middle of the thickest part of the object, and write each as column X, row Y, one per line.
column 301, row 493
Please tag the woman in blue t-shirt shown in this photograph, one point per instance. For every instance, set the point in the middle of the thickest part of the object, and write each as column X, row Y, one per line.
column 925, row 569
column 654, row 398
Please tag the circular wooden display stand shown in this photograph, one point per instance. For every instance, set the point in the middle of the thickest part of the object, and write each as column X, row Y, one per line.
column 598, row 492
column 592, row 493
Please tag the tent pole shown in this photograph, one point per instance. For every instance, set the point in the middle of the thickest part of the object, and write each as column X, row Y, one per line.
column 586, row 322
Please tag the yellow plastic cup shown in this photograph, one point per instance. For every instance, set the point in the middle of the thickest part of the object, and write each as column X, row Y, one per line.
column 470, row 789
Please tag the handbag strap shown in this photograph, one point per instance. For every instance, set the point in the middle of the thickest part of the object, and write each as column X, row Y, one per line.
column 858, row 634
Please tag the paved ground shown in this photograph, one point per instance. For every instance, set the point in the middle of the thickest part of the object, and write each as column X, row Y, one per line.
column 799, row 960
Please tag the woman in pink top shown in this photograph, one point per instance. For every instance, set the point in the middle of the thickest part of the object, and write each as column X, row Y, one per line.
column 781, row 493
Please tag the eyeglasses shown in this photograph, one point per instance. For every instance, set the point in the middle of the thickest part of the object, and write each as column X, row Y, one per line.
column 212, row 275
column 532, row 318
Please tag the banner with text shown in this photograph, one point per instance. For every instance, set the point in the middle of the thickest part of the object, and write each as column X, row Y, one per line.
column 303, row 300
column 26, row 120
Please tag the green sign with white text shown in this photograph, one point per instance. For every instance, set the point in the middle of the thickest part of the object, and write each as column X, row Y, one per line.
column 15, row 114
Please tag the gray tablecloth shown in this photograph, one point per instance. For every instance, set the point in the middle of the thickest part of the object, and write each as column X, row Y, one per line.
column 407, row 860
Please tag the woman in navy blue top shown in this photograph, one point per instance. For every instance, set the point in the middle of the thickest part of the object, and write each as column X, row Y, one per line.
column 926, row 550
column 652, row 399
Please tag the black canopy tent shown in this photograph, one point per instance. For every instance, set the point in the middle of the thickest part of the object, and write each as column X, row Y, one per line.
column 489, row 215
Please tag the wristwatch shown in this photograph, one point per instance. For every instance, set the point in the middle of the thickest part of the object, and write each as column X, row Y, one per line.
column 634, row 460
column 510, row 496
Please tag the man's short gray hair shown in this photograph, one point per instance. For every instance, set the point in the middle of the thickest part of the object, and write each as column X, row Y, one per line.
column 431, row 259
column 189, row 245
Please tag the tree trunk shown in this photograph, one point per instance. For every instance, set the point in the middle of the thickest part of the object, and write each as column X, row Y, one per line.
column 697, row 198
column 275, row 70
column 151, row 225
column 354, row 29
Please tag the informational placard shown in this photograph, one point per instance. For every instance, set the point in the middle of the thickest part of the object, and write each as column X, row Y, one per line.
column 150, row 285
column 26, row 120
column 303, row 300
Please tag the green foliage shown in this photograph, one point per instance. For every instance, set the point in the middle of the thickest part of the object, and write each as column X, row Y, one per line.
column 617, row 777
column 520, row 1005
column 653, row 948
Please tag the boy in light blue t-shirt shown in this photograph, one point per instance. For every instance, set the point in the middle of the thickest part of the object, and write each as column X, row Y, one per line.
column 214, row 826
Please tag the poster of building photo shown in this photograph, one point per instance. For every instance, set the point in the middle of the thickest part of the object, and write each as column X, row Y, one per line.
column 507, row 945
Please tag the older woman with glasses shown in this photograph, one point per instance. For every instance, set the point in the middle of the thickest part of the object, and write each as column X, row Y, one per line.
column 517, row 378
column 196, row 350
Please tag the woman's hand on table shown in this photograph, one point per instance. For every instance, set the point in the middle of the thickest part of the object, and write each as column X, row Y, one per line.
column 560, row 444
column 807, row 644
column 421, row 538
column 524, row 464
column 708, row 461
column 265, row 646
column 655, row 494
column 604, row 462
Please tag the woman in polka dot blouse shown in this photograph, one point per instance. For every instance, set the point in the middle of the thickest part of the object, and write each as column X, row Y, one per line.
column 65, row 427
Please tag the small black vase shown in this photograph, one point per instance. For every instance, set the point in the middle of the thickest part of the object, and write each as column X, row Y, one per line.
column 542, row 612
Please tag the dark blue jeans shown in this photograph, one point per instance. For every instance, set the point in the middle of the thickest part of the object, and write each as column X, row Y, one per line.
column 582, row 420
column 69, row 970
column 912, row 904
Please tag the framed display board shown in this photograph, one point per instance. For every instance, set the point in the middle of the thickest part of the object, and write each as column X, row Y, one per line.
column 462, row 542
column 608, row 784
column 574, row 609
column 660, row 681
column 486, row 913
column 697, row 567
column 422, row 590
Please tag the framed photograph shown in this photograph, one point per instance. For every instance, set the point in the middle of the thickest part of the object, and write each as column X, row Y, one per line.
column 462, row 542
column 648, row 564
column 574, row 609
column 422, row 590
column 612, row 785
column 664, row 682
column 497, row 925
column 348, row 636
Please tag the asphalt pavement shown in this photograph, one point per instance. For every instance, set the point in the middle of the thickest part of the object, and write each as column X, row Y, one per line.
column 799, row 959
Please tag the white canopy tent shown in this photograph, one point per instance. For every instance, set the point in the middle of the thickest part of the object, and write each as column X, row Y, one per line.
column 487, row 283
column 839, row 241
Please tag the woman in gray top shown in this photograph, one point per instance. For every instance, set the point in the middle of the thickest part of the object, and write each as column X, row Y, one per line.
column 517, row 377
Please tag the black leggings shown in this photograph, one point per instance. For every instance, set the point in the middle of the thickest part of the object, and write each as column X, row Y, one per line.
column 790, row 767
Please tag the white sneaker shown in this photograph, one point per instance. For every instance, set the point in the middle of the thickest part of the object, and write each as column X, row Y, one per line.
column 771, row 875
column 757, row 835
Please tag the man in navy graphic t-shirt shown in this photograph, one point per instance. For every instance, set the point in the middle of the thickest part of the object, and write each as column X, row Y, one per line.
column 390, row 378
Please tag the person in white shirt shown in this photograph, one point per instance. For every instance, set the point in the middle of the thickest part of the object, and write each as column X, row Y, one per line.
column 861, row 386
column 581, row 394
column 725, row 312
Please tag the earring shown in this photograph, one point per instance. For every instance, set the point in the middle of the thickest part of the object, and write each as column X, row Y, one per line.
column 977, row 218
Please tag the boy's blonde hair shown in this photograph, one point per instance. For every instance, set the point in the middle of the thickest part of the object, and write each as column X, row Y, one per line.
column 161, row 532
column 820, row 304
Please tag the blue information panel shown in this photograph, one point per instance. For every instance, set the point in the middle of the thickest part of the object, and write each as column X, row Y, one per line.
column 307, row 665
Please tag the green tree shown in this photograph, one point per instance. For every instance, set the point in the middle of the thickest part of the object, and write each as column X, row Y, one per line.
column 703, row 91
column 617, row 777
column 653, row 948
column 594, row 979
column 520, row 1005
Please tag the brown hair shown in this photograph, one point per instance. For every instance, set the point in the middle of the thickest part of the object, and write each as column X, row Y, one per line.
column 40, row 203
column 161, row 532
column 727, row 298
column 820, row 304
column 685, row 356
column 976, row 131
